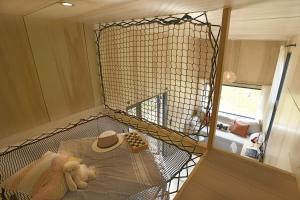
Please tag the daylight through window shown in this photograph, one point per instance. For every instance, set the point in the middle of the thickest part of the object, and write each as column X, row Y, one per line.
column 240, row 101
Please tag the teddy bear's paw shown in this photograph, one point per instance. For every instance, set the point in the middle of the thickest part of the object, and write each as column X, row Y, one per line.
column 82, row 185
column 92, row 174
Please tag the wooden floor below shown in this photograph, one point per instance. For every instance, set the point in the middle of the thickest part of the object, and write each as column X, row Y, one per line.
column 223, row 176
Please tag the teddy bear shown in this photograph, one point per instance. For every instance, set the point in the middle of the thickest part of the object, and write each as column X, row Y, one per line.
column 77, row 174
column 66, row 173
column 51, row 185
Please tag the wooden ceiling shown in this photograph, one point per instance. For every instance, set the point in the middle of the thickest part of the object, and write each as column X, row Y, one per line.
column 251, row 19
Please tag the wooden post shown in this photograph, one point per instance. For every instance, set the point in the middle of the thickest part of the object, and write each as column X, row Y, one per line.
column 219, row 76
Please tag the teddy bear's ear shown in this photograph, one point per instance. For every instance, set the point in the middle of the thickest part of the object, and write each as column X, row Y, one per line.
column 71, row 165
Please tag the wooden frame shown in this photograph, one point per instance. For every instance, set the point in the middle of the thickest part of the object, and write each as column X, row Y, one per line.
column 169, row 136
column 219, row 75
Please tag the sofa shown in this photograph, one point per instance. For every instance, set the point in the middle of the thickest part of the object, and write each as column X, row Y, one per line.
column 226, row 140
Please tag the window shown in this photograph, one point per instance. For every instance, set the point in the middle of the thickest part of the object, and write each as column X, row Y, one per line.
column 240, row 100
column 153, row 109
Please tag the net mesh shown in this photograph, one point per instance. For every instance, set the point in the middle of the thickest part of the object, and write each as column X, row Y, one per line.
column 173, row 163
column 157, row 76
column 160, row 70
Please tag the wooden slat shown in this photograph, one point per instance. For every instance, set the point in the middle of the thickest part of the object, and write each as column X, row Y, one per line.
column 219, row 75
column 224, row 176
column 60, row 54
column 21, row 100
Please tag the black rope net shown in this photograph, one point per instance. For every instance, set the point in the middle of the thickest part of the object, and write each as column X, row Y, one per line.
column 158, row 77
column 160, row 71
column 174, row 164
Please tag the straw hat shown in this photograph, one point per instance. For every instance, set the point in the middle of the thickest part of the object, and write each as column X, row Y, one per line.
column 107, row 141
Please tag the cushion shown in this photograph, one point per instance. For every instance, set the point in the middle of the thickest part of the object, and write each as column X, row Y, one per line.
column 254, row 125
column 239, row 128
column 26, row 178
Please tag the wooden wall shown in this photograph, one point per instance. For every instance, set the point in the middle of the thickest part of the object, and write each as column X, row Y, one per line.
column 60, row 54
column 283, row 147
column 252, row 61
column 48, row 71
column 21, row 100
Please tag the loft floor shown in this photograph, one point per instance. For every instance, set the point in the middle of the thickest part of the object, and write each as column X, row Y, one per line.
column 221, row 176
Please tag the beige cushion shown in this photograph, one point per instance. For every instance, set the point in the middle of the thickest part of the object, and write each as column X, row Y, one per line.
column 26, row 178
column 254, row 125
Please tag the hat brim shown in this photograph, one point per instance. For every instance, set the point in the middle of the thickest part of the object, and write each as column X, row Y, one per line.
column 102, row 150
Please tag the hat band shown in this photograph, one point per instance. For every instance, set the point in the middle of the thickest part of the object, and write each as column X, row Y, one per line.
column 103, row 145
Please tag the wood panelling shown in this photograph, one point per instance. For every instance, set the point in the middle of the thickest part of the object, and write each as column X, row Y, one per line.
column 21, row 101
column 252, row 61
column 93, row 65
column 295, row 82
column 251, row 19
column 232, row 53
column 48, row 71
column 23, row 7
column 59, row 50
column 282, row 134
column 35, row 131
column 283, row 146
column 225, row 176
column 95, row 10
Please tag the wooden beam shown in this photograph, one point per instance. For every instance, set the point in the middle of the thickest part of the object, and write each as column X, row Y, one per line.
column 169, row 136
column 219, row 75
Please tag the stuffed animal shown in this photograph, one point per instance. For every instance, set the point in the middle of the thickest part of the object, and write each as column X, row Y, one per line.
column 65, row 173
column 77, row 175
column 51, row 184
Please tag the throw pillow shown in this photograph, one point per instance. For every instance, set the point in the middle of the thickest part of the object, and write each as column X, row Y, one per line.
column 254, row 125
column 26, row 178
column 239, row 128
